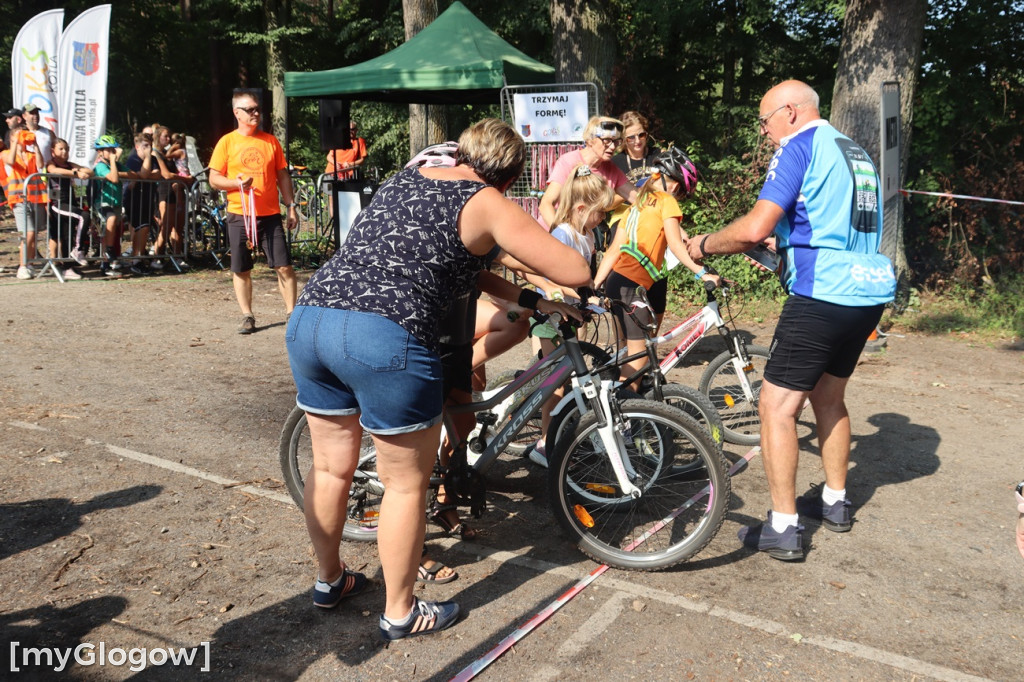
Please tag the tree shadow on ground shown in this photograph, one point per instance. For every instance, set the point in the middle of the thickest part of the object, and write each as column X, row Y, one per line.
column 33, row 523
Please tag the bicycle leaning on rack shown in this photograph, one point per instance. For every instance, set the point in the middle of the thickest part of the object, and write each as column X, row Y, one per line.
column 635, row 483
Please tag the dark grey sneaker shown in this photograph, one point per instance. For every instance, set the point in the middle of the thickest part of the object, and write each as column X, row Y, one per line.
column 835, row 517
column 785, row 546
column 248, row 325
column 426, row 617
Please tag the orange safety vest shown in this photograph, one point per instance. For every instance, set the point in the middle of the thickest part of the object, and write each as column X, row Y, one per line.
column 15, row 188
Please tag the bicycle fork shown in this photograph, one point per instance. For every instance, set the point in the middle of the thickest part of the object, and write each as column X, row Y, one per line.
column 611, row 438
column 741, row 364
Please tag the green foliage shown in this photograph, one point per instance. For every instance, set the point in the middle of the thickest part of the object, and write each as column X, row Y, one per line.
column 997, row 309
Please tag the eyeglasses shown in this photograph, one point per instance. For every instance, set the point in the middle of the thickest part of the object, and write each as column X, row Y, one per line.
column 763, row 120
column 610, row 141
column 637, row 137
column 252, row 111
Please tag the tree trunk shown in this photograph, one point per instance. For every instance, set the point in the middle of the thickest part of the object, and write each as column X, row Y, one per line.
column 881, row 42
column 584, row 45
column 275, row 71
column 427, row 124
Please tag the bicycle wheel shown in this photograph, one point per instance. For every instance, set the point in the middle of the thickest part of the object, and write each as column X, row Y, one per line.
column 696, row 405
column 723, row 385
column 533, row 429
column 681, row 475
column 296, row 457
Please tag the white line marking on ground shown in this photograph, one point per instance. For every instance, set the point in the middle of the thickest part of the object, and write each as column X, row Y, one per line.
column 30, row 427
column 604, row 617
column 911, row 665
column 853, row 649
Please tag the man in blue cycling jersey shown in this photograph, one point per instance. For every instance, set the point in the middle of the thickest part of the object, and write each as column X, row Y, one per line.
column 821, row 198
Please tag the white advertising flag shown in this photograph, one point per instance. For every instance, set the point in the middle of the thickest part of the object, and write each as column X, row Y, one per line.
column 82, row 61
column 34, row 65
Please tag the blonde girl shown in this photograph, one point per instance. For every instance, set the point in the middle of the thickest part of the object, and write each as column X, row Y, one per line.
column 582, row 203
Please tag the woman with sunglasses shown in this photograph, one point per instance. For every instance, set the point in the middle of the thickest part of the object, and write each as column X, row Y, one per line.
column 636, row 160
column 602, row 137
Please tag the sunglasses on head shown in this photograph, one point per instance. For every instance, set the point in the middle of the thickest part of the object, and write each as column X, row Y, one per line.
column 610, row 126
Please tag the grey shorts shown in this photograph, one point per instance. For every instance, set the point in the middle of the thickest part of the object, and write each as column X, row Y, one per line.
column 29, row 217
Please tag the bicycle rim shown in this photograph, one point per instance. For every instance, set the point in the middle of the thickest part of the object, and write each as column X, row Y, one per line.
column 722, row 385
column 363, row 508
column 681, row 474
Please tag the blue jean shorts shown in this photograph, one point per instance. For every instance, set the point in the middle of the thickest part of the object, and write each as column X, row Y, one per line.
column 346, row 362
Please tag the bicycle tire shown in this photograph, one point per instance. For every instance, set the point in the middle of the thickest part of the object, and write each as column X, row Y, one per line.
column 681, row 507
column 532, row 429
column 696, row 405
column 720, row 384
column 296, row 459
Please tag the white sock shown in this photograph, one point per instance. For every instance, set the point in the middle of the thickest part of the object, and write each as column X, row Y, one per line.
column 403, row 621
column 781, row 522
column 830, row 497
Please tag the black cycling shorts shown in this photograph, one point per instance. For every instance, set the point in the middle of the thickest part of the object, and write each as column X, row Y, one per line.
column 815, row 338
column 623, row 289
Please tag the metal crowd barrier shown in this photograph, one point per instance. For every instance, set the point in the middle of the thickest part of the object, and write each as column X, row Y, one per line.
column 72, row 234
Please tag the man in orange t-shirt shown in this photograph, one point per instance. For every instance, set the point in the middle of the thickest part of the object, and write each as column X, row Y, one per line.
column 249, row 165
column 344, row 162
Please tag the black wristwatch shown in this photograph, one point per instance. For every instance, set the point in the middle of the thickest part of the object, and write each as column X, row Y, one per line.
column 1020, row 488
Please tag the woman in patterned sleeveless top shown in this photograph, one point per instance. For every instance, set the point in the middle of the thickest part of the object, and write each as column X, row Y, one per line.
column 362, row 343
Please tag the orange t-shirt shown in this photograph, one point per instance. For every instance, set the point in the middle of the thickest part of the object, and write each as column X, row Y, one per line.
column 259, row 156
column 343, row 156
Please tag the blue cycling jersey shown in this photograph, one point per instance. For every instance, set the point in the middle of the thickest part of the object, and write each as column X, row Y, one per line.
column 832, row 228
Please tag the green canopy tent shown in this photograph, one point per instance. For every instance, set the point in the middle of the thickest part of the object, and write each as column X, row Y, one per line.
column 457, row 59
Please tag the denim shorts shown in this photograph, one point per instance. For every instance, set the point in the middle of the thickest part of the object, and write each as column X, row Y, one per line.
column 346, row 362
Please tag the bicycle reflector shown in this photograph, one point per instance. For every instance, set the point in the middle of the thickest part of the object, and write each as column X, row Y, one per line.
column 729, row 400
column 583, row 516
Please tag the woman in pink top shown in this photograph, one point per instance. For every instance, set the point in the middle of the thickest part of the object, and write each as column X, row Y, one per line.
column 602, row 138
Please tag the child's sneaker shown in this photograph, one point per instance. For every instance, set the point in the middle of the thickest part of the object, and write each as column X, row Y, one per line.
column 538, row 454
column 79, row 257
column 426, row 617
column 71, row 274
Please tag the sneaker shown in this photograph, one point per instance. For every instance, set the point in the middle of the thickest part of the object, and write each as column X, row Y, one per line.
column 327, row 595
column 25, row 272
column 116, row 265
column 139, row 269
column 785, row 546
column 538, row 454
column 157, row 265
column 71, row 274
column 834, row 517
column 426, row 617
column 248, row 325
column 79, row 257
column 108, row 271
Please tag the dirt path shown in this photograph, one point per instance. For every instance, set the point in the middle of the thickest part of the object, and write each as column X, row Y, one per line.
column 141, row 506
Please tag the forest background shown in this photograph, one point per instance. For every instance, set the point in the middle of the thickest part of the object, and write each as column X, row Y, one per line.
column 696, row 68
